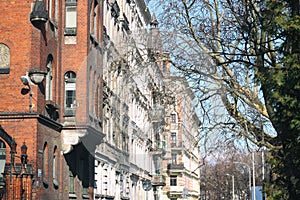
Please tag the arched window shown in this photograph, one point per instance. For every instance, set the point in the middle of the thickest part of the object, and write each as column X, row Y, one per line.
column 4, row 59
column 48, row 92
column 94, row 19
column 70, row 93
column 45, row 165
column 2, row 158
column 55, row 168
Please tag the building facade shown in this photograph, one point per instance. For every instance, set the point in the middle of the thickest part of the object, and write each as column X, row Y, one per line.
column 124, row 165
column 181, row 165
column 53, row 109
column 87, row 105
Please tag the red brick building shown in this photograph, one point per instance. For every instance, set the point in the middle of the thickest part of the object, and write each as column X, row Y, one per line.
column 58, row 118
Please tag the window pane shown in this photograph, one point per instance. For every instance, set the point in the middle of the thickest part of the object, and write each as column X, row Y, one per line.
column 71, row 183
column 71, row 17
column 173, row 180
column 174, row 158
column 48, row 95
column 173, row 118
column 70, row 98
column 70, row 86
column 2, row 158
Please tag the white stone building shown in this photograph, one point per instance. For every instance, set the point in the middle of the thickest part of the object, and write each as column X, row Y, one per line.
column 129, row 164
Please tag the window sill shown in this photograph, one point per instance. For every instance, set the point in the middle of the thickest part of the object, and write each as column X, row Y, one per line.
column 70, row 32
column 72, row 196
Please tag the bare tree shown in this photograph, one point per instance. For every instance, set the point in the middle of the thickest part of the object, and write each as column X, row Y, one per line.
column 225, row 177
column 244, row 54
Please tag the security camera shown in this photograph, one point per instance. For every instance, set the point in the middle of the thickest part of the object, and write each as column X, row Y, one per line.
column 24, row 80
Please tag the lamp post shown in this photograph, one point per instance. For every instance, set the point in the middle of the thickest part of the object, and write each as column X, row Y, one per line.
column 232, row 176
column 147, row 186
column 253, row 167
column 24, row 154
column 249, row 174
column 17, row 176
column 13, row 151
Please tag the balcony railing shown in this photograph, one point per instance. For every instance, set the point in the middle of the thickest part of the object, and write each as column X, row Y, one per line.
column 176, row 145
column 158, row 180
column 175, row 166
column 175, row 192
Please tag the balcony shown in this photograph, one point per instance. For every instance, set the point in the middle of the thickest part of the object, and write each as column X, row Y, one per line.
column 159, row 148
column 175, row 191
column 175, row 167
column 176, row 145
column 157, row 114
column 158, row 180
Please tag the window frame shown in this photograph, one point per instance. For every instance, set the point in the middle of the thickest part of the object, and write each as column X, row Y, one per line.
column 173, row 139
column 71, row 18
column 70, row 93
column 49, row 80
column 173, row 118
column 174, row 158
column 55, row 170
column 2, row 158
column 173, row 180
column 45, row 163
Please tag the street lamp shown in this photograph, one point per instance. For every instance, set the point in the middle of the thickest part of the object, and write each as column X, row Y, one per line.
column 147, row 186
column 13, row 151
column 39, row 15
column 35, row 76
column 232, row 176
column 249, row 174
column 24, row 154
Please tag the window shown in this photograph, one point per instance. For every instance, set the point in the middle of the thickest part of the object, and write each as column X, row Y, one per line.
column 2, row 159
column 173, row 139
column 154, row 98
column 45, row 165
column 157, row 140
column 124, row 143
column 94, row 20
column 48, row 92
column 97, row 100
column 84, row 173
column 174, row 158
column 173, row 118
column 71, row 183
column 4, row 59
column 71, row 17
column 173, row 180
column 70, row 94
column 55, row 168
column 164, row 143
